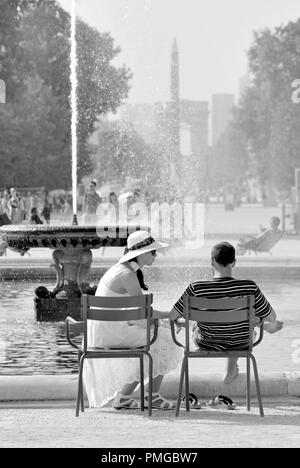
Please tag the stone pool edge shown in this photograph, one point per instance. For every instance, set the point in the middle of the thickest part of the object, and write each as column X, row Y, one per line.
column 64, row 387
column 45, row 272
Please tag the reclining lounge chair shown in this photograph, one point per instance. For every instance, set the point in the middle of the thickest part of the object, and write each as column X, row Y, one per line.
column 262, row 243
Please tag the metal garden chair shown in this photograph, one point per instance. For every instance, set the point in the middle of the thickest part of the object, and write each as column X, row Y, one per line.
column 222, row 311
column 113, row 309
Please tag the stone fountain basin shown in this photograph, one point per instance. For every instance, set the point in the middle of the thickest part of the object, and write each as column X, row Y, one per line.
column 72, row 259
column 25, row 237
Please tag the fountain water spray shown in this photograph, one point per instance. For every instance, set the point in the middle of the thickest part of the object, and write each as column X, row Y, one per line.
column 74, row 110
column 72, row 245
column 2, row 92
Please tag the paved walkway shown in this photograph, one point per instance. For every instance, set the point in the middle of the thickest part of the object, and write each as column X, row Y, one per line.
column 286, row 251
column 51, row 425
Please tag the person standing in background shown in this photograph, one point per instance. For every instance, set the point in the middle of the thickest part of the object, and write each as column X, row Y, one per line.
column 16, row 207
column 90, row 203
column 47, row 208
column 5, row 204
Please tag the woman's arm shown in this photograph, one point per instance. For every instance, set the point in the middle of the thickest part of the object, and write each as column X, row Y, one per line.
column 161, row 314
column 131, row 285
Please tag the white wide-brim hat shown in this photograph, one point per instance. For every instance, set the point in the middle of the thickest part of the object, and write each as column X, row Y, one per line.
column 138, row 243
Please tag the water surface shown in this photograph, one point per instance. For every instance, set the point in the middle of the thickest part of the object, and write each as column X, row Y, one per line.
column 27, row 347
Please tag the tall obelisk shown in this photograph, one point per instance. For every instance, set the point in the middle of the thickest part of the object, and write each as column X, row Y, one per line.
column 174, row 117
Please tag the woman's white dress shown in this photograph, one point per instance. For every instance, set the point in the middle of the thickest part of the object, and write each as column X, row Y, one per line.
column 103, row 378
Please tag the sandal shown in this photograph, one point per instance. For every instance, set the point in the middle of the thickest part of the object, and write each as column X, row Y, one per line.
column 221, row 401
column 159, row 402
column 194, row 403
column 127, row 402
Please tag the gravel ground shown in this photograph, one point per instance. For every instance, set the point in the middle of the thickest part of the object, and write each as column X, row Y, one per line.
column 99, row 428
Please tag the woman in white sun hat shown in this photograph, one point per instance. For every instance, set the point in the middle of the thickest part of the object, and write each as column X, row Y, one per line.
column 117, row 379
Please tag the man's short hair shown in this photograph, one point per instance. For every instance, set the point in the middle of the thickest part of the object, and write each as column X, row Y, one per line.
column 223, row 253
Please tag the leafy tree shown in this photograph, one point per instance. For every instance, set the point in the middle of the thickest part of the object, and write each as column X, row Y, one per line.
column 30, row 150
column 10, row 53
column 36, row 53
column 267, row 118
column 102, row 87
column 122, row 153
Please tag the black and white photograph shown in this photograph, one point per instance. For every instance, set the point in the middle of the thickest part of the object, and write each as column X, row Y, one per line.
column 149, row 227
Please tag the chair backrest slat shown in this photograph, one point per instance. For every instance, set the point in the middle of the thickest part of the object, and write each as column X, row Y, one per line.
column 222, row 316
column 219, row 310
column 218, row 303
column 117, row 315
column 112, row 309
column 116, row 302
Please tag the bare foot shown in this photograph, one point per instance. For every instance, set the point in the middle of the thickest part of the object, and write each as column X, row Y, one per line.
column 231, row 374
column 273, row 327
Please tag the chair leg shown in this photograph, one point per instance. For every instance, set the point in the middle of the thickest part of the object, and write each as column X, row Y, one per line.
column 187, row 385
column 248, row 396
column 150, row 384
column 80, row 353
column 142, row 383
column 180, row 387
column 82, row 399
column 261, row 410
column 80, row 390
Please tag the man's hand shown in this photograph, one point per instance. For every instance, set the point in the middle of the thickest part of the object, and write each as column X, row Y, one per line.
column 257, row 321
column 177, row 319
column 179, row 324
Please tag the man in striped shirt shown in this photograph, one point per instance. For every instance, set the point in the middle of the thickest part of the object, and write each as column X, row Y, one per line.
column 226, row 336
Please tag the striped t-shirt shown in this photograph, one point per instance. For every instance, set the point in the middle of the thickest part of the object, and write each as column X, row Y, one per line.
column 210, row 336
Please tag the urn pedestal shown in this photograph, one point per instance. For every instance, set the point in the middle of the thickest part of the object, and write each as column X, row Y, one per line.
column 72, row 258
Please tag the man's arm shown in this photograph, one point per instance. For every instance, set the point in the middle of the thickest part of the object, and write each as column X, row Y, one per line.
column 265, row 311
column 262, row 228
column 161, row 314
column 262, row 235
column 174, row 315
column 272, row 316
column 177, row 310
column 263, row 308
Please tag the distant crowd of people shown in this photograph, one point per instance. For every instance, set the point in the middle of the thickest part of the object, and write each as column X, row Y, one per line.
column 39, row 206
column 108, row 208
column 29, row 208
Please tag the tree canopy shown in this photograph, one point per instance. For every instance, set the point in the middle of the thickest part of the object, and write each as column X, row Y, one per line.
column 123, row 154
column 35, row 124
column 267, row 118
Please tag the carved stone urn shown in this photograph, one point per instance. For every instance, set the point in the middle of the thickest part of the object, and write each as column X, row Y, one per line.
column 72, row 255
